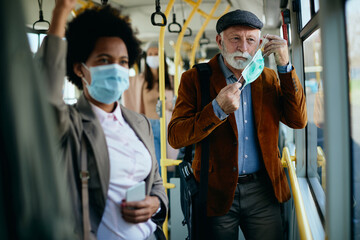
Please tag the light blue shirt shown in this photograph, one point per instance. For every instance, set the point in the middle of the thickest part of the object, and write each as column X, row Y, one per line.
column 249, row 157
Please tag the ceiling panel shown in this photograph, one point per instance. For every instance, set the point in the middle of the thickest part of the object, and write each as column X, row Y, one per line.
column 141, row 10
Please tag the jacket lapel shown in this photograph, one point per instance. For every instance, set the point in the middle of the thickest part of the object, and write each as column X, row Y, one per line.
column 135, row 124
column 218, row 81
column 256, row 97
column 95, row 135
column 142, row 130
column 217, row 78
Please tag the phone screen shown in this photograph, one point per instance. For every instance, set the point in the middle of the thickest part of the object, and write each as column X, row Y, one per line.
column 136, row 192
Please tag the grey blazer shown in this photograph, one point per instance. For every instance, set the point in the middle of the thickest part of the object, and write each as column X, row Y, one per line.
column 78, row 122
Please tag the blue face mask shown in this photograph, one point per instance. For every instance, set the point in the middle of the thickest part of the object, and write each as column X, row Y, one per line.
column 108, row 82
column 253, row 70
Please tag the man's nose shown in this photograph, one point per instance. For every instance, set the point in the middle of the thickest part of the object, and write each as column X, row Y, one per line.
column 242, row 46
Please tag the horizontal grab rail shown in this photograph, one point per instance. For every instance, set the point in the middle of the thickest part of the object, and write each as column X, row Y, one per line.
column 321, row 161
column 303, row 223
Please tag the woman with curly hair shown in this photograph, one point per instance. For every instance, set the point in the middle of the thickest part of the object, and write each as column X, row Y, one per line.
column 109, row 146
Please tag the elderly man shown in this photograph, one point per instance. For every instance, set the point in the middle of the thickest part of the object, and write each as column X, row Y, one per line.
column 246, row 179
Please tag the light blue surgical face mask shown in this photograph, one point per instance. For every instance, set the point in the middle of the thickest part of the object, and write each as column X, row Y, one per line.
column 108, row 82
column 253, row 70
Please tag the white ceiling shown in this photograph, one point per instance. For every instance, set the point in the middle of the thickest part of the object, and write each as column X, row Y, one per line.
column 141, row 10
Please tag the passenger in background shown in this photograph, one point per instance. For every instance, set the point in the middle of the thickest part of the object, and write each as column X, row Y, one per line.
column 143, row 95
column 246, row 178
column 101, row 140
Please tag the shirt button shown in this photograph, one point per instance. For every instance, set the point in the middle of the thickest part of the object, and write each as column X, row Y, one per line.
column 246, row 138
column 245, row 121
column 234, row 169
column 246, row 156
column 243, row 171
column 244, row 103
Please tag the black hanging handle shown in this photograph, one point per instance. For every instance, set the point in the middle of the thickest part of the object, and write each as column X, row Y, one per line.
column 41, row 19
column 174, row 23
column 188, row 32
column 158, row 12
column 204, row 40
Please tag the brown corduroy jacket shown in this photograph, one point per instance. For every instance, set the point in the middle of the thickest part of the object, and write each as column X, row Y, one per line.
column 273, row 101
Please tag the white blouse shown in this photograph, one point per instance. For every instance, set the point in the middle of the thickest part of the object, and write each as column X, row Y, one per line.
column 130, row 163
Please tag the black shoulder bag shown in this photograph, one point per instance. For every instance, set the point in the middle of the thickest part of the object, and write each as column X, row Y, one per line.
column 193, row 194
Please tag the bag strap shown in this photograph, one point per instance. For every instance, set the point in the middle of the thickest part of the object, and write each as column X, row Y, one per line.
column 204, row 73
column 84, row 176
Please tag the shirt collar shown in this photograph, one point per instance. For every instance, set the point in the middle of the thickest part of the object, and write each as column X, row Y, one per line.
column 103, row 116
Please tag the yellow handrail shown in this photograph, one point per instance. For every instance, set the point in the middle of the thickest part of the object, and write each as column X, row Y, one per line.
column 202, row 13
column 303, row 223
column 198, row 35
column 202, row 29
column 163, row 161
column 178, row 45
column 85, row 5
column 321, row 161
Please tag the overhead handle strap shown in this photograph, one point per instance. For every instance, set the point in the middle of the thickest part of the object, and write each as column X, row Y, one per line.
column 158, row 12
column 174, row 23
column 188, row 31
column 41, row 17
column 204, row 40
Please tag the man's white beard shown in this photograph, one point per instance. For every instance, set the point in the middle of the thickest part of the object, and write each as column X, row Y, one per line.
column 230, row 58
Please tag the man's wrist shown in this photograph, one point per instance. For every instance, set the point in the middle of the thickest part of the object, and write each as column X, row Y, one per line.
column 285, row 69
column 218, row 111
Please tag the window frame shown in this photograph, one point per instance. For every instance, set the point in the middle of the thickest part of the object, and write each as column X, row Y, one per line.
column 338, row 222
column 330, row 19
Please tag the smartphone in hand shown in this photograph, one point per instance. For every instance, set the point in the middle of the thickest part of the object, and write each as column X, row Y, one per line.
column 136, row 192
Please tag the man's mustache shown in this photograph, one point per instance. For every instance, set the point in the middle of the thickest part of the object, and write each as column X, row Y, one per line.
column 240, row 54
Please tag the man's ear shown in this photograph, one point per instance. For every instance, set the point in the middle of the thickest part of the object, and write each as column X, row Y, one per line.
column 77, row 68
column 219, row 41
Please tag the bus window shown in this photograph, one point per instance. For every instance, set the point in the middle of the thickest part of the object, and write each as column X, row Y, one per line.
column 35, row 41
column 353, row 38
column 305, row 12
column 70, row 92
column 316, row 5
column 314, row 102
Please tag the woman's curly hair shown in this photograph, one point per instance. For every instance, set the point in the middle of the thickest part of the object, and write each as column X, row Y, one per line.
column 84, row 30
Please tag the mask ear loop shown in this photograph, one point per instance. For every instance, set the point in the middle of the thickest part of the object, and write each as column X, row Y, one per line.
column 263, row 55
column 83, row 78
column 263, row 45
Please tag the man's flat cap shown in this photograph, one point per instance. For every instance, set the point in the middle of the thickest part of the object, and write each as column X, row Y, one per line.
column 238, row 17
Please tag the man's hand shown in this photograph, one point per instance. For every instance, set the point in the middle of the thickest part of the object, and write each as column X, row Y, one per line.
column 140, row 211
column 60, row 13
column 279, row 47
column 229, row 98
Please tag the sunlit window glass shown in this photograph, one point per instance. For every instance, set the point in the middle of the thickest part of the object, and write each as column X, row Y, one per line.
column 70, row 93
column 35, row 41
column 316, row 5
column 353, row 38
column 305, row 12
column 315, row 107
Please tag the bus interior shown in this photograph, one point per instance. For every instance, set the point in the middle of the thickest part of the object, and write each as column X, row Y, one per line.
column 322, row 161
